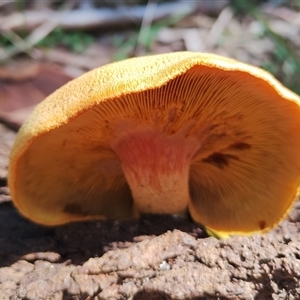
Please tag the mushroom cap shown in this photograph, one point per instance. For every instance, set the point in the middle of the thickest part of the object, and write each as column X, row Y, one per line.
column 162, row 134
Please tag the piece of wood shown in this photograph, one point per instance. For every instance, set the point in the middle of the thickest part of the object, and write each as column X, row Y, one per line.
column 105, row 17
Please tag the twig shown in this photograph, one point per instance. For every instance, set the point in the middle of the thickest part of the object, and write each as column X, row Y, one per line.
column 27, row 44
column 36, row 35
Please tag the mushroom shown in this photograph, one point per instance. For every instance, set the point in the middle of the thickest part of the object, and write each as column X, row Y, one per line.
column 169, row 133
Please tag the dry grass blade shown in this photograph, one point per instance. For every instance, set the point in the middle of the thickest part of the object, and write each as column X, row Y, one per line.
column 217, row 29
column 146, row 26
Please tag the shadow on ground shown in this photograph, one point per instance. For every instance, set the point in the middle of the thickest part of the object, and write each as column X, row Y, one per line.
column 78, row 241
column 267, row 271
column 157, row 295
column 154, row 295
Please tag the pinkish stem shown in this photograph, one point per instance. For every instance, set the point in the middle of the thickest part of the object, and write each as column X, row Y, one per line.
column 156, row 167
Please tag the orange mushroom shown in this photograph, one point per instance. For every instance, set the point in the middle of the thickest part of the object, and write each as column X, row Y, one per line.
column 166, row 133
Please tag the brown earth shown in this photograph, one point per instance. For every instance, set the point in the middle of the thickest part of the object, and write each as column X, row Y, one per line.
column 158, row 257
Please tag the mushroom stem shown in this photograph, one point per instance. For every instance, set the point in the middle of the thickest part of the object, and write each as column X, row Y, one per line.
column 156, row 167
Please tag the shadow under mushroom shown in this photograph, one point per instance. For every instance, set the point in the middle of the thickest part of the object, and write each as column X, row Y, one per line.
column 77, row 242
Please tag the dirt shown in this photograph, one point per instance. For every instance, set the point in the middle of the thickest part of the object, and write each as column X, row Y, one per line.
column 155, row 257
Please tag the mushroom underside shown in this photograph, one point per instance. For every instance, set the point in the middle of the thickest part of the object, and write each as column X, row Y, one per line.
column 220, row 144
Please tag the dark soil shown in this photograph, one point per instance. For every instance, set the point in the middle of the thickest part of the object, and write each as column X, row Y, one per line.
column 158, row 257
